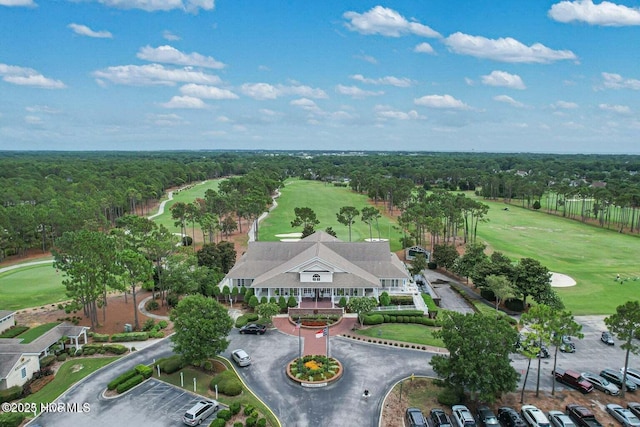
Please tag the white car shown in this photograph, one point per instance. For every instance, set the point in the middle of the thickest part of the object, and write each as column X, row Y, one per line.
column 534, row 416
column 241, row 357
column 463, row 416
column 623, row 415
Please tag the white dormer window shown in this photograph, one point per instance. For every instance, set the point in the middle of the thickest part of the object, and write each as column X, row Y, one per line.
column 316, row 278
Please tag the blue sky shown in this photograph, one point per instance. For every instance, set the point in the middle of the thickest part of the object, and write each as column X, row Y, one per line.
column 436, row 75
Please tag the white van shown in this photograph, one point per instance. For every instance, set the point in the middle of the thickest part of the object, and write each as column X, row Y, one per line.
column 199, row 412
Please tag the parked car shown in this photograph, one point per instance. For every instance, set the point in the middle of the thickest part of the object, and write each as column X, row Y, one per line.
column 582, row 416
column 560, row 419
column 633, row 375
column 462, row 416
column 573, row 379
column 634, row 407
column 534, row 416
column 623, row 415
column 607, row 338
column 415, row 418
column 567, row 346
column 241, row 357
column 615, row 377
column 600, row 383
column 439, row 418
column 486, row 417
column 200, row 412
column 253, row 328
column 509, row 417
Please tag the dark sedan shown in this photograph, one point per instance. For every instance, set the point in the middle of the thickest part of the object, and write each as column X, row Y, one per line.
column 253, row 328
column 509, row 417
column 607, row 338
column 616, row 377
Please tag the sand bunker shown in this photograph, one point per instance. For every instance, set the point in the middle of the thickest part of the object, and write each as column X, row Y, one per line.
column 559, row 280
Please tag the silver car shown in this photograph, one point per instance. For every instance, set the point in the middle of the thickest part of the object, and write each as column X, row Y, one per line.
column 241, row 357
column 200, row 412
column 623, row 415
column 560, row 419
column 600, row 383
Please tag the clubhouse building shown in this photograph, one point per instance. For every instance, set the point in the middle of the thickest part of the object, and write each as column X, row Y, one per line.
column 319, row 268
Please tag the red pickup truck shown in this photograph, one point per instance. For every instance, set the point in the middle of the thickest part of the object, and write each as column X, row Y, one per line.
column 573, row 379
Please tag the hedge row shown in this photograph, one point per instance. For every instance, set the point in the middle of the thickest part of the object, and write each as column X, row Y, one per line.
column 388, row 342
column 130, row 336
column 47, row 360
column 378, row 319
column 90, row 349
column 399, row 312
column 130, row 383
column 11, row 419
column 121, row 379
column 171, row 364
column 100, row 337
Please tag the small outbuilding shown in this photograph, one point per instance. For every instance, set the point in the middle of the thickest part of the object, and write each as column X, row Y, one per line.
column 410, row 253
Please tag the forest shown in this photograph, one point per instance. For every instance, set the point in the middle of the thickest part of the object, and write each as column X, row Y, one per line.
column 45, row 194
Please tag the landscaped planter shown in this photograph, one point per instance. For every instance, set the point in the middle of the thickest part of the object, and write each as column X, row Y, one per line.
column 314, row 370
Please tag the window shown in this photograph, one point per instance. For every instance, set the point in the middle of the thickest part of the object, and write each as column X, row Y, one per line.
column 23, row 372
column 316, row 277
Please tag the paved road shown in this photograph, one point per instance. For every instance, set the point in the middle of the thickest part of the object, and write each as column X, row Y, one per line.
column 25, row 264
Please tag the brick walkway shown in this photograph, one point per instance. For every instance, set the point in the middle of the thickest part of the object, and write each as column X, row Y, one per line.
column 311, row 344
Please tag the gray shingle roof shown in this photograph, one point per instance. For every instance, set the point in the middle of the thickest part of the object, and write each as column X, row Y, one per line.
column 357, row 264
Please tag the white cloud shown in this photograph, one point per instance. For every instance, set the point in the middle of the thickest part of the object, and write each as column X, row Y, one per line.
column 154, row 74
column 28, row 77
column 386, row 22
column 168, row 35
column 306, row 104
column 564, row 105
column 616, row 81
column 424, row 48
column 367, row 58
column 605, row 13
column 16, row 3
column 207, row 92
column 619, row 109
column 166, row 120
column 388, row 80
column 508, row 100
column 185, row 102
column 441, row 101
column 504, row 49
column 154, row 5
column 33, row 120
column 262, row 91
column 356, row 92
column 469, row 81
column 83, row 30
column 503, row 79
column 170, row 55
column 42, row 109
column 384, row 112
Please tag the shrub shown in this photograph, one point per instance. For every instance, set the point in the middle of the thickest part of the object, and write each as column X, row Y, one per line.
column 148, row 325
column 207, row 365
column 47, row 360
column 11, row 419
column 171, row 364
column 241, row 321
column 292, row 302
column 156, row 334
column 488, row 294
column 238, row 424
column 152, row 305
column 235, row 408
column 115, row 348
column 373, row 319
column 401, row 300
column 172, row 300
column 121, row 379
column 230, row 386
column 385, row 299
column 343, row 302
column 450, row 397
column 225, row 414
column 250, row 422
column 100, row 337
column 61, row 357
column 130, row 383
column 10, row 394
column 262, row 422
column 218, row 422
column 163, row 324
column 222, row 376
column 130, row 336
column 432, row 265
column 254, row 301
column 144, row 370
column 248, row 410
column 252, row 317
column 282, row 303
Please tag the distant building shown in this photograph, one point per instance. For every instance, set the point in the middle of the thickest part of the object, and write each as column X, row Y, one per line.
column 410, row 253
column 6, row 320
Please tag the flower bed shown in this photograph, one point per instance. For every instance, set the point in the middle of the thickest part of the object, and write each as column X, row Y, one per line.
column 314, row 370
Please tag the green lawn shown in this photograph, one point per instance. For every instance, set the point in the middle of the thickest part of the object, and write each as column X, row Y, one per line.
column 185, row 196
column 325, row 200
column 590, row 255
column 407, row 332
column 34, row 333
column 69, row 373
column 31, row 286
